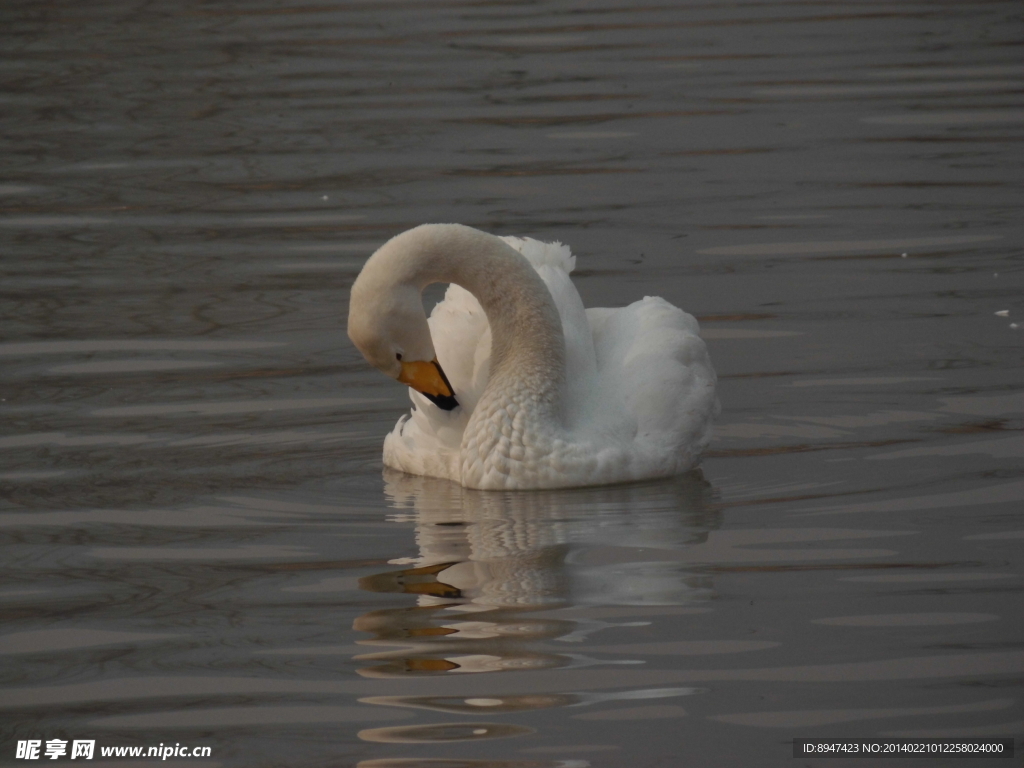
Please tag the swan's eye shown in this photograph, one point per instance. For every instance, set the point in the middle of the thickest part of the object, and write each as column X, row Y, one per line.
column 398, row 355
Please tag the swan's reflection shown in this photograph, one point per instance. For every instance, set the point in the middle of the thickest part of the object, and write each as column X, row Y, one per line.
column 496, row 579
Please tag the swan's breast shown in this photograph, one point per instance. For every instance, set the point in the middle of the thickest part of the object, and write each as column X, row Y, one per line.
column 515, row 442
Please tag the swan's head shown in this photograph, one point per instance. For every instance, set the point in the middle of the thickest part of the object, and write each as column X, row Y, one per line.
column 387, row 324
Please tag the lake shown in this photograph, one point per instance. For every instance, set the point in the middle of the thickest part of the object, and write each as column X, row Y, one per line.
column 200, row 545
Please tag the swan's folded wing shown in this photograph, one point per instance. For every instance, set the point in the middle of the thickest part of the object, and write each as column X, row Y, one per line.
column 656, row 385
column 462, row 341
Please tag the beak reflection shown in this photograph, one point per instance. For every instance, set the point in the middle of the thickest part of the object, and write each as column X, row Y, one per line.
column 427, row 378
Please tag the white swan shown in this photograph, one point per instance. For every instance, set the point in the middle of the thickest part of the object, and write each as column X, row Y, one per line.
column 515, row 384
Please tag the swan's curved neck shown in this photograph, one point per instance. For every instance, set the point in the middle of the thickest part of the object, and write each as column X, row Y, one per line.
column 527, row 344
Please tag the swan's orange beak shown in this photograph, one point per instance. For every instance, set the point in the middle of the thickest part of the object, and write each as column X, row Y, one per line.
column 429, row 380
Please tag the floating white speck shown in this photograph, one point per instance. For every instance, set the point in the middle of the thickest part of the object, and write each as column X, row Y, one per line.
column 324, row 197
column 903, row 255
column 1014, row 325
column 1003, row 313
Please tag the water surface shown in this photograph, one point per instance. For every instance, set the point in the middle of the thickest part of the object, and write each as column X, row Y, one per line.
column 200, row 546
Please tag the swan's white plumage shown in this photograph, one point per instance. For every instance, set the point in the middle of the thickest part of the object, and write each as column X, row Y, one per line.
column 637, row 402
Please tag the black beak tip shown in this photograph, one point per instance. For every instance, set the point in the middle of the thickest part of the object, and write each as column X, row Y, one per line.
column 444, row 402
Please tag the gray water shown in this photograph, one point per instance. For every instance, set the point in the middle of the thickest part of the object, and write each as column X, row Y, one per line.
column 200, row 546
